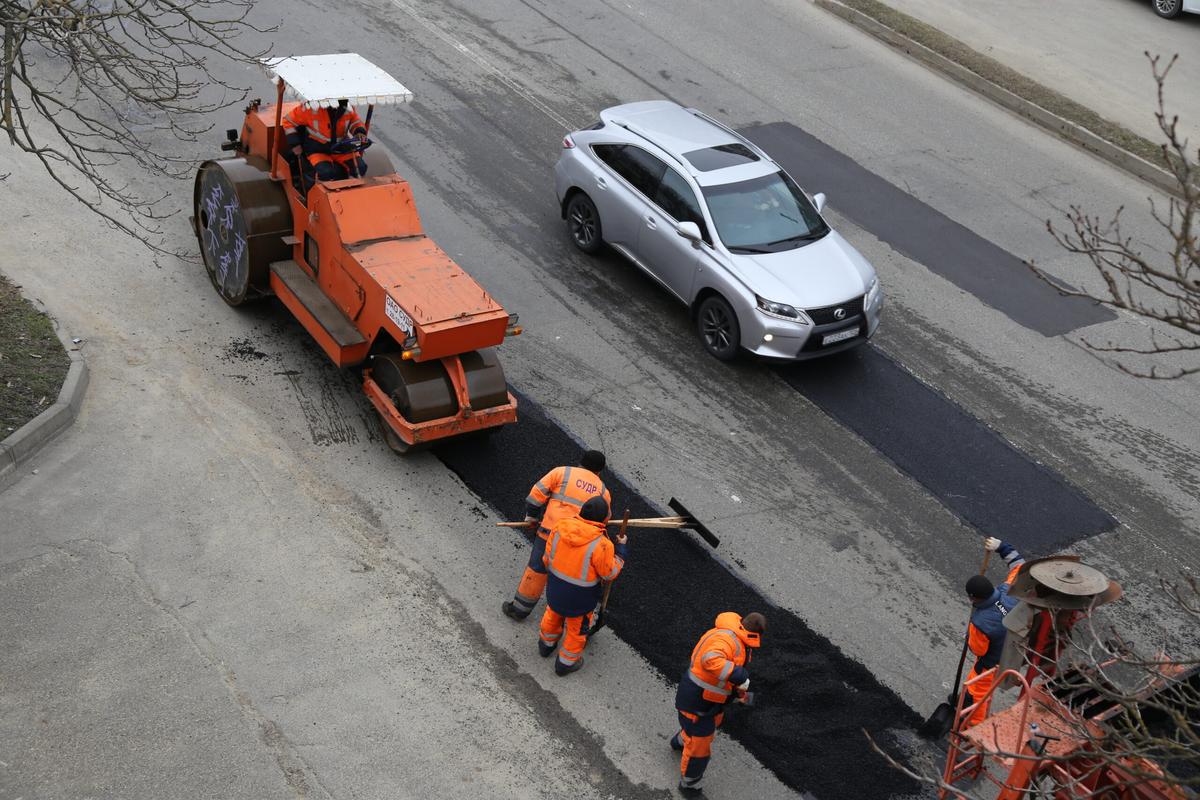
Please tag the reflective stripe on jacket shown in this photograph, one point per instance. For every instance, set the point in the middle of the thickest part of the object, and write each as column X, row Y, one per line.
column 320, row 128
column 562, row 492
column 986, row 632
column 578, row 557
column 717, row 665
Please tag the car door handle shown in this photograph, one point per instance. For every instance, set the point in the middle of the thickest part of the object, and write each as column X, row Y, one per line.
column 651, row 223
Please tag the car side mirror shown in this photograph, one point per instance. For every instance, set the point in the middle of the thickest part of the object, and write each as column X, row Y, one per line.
column 819, row 201
column 689, row 230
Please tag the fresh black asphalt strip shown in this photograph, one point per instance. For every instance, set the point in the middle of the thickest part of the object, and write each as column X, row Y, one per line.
column 813, row 701
column 967, row 466
column 995, row 276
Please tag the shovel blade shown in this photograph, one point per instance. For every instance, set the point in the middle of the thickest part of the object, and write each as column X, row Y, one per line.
column 938, row 724
column 693, row 523
column 597, row 624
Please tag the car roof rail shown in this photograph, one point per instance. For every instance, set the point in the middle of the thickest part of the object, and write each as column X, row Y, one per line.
column 758, row 150
column 635, row 129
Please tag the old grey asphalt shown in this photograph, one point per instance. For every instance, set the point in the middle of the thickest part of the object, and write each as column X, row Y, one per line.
column 253, row 587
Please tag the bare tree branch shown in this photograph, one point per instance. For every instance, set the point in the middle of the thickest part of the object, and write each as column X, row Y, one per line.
column 1163, row 292
column 90, row 87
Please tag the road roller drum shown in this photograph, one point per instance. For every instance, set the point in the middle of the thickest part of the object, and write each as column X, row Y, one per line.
column 420, row 392
column 423, row 391
column 241, row 218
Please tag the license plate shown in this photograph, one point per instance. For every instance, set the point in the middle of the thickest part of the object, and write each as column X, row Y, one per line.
column 840, row 336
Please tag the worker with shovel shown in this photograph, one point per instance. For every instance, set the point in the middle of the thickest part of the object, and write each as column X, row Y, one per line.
column 986, row 631
column 716, row 675
column 560, row 494
column 579, row 555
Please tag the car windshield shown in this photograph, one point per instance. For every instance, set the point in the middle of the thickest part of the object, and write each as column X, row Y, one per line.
column 764, row 215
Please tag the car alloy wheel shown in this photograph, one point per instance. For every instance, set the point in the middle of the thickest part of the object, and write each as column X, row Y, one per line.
column 583, row 220
column 718, row 328
column 1168, row 8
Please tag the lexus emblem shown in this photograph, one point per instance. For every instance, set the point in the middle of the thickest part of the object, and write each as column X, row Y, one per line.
column 839, row 313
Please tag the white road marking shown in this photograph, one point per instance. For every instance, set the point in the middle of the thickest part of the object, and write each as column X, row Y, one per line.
column 504, row 77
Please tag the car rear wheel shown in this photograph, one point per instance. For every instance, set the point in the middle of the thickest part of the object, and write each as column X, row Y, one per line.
column 1168, row 8
column 583, row 221
column 717, row 325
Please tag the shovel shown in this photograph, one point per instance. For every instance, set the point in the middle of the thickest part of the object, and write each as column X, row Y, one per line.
column 942, row 719
column 598, row 623
column 681, row 519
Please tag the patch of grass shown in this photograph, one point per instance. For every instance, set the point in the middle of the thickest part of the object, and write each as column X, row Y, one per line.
column 1007, row 78
column 33, row 363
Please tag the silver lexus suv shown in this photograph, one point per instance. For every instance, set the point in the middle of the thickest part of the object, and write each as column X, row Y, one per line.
column 712, row 218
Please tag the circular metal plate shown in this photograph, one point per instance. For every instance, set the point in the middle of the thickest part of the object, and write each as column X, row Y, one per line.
column 240, row 218
column 222, row 232
column 1069, row 577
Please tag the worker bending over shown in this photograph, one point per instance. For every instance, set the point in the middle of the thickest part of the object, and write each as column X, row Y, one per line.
column 579, row 555
column 716, row 674
column 558, row 495
column 986, row 631
column 318, row 133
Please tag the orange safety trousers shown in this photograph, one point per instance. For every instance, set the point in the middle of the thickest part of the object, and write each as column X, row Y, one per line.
column 696, row 733
column 341, row 159
column 533, row 581
column 575, row 640
column 977, row 690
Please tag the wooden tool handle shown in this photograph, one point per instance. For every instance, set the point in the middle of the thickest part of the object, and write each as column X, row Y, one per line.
column 649, row 522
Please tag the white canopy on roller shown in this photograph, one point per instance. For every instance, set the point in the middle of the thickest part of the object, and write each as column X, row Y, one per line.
column 323, row 80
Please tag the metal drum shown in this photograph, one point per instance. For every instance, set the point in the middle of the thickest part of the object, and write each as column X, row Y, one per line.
column 486, row 386
column 420, row 392
column 241, row 218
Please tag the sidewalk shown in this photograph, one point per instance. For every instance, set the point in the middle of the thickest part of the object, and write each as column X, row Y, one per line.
column 1089, row 50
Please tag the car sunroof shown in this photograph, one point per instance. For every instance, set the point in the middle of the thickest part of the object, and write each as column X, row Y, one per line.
column 721, row 156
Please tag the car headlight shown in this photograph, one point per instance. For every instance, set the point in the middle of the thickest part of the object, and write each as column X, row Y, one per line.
column 780, row 310
column 873, row 291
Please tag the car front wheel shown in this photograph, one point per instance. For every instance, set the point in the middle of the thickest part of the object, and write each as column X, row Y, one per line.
column 718, row 328
column 583, row 221
column 1168, row 8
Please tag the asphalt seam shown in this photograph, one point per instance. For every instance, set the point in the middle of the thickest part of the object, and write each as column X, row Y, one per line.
column 1065, row 129
column 32, row 437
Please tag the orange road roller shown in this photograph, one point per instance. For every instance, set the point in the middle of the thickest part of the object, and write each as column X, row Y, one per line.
column 349, row 259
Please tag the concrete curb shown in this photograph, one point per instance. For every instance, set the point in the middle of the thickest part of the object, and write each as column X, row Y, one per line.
column 28, row 440
column 1075, row 134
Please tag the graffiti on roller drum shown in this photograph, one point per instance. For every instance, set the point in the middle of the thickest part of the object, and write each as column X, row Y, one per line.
column 224, row 239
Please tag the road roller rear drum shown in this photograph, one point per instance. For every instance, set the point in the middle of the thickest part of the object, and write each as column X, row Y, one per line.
column 241, row 219
column 423, row 391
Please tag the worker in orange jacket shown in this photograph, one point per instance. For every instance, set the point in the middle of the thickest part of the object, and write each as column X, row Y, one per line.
column 318, row 131
column 717, row 673
column 986, row 631
column 560, row 494
column 579, row 555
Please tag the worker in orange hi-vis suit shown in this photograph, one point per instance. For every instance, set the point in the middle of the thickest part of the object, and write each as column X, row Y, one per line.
column 986, row 631
column 558, row 495
column 579, row 555
column 317, row 131
column 717, row 673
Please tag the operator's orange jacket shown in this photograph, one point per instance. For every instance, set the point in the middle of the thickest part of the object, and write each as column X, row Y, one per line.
column 578, row 556
column 321, row 131
column 718, row 665
column 561, row 493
